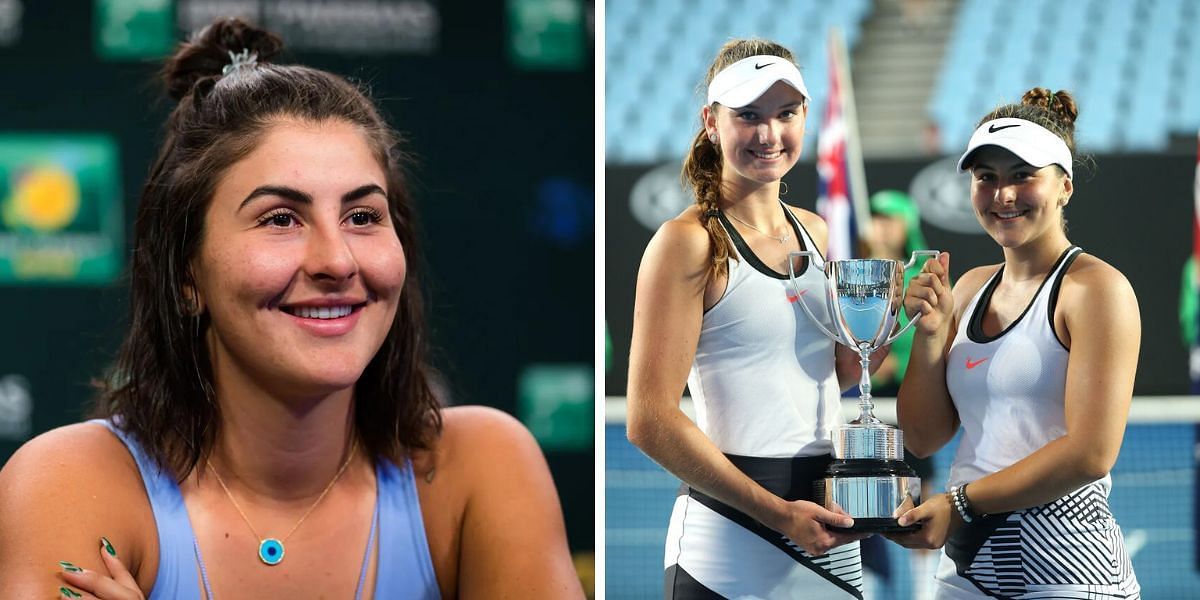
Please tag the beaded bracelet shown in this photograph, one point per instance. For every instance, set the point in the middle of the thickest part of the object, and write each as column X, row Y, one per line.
column 967, row 503
column 958, row 498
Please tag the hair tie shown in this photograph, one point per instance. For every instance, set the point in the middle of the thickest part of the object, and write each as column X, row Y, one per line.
column 712, row 212
column 237, row 60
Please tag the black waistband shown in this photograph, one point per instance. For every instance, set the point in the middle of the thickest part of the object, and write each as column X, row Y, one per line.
column 788, row 478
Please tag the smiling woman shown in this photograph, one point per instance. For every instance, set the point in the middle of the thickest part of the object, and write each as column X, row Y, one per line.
column 1035, row 359
column 277, row 343
column 715, row 311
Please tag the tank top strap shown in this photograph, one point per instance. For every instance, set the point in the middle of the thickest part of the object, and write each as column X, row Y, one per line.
column 405, row 567
column 968, row 313
column 1049, row 292
column 1043, row 305
column 805, row 237
column 177, row 575
column 1038, row 312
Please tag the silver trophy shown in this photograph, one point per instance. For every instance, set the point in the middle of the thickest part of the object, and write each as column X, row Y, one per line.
column 868, row 477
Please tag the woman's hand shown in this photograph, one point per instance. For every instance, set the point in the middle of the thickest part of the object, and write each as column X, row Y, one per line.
column 938, row 520
column 929, row 294
column 93, row 584
column 805, row 524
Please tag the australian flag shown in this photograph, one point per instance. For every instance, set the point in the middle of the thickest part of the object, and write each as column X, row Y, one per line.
column 835, row 193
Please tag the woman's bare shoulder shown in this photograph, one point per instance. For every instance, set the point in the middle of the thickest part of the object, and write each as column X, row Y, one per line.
column 62, row 491
column 467, row 429
column 1090, row 270
column 82, row 451
column 1090, row 281
column 682, row 237
column 496, row 463
column 472, row 440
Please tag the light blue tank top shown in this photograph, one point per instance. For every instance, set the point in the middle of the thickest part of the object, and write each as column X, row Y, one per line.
column 405, row 567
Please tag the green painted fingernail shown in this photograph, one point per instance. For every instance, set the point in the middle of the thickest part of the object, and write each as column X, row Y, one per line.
column 108, row 547
column 69, row 593
column 69, row 567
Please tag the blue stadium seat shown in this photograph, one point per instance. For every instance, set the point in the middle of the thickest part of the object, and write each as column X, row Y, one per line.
column 650, row 114
column 1119, row 57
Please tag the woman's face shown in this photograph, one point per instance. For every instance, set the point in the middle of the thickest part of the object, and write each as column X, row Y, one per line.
column 1014, row 201
column 759, row 142
column 300, row 268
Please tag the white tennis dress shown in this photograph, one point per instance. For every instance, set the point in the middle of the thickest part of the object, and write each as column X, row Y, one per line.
column 766, row 393
column 1008, row 390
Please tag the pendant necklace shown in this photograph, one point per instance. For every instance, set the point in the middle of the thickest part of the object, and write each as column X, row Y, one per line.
column 270, row 550
column 781, row 239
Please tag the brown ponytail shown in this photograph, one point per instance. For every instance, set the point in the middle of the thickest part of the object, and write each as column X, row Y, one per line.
column 702, row 164
column 702, row 171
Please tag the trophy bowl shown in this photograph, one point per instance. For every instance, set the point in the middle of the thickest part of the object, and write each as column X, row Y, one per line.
column 868, row 478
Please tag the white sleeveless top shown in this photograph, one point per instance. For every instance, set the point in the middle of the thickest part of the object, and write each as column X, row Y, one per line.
column 1009, row 389
column 763, row 380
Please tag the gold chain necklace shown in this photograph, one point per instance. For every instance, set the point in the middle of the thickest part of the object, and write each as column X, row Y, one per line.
column 270, row 550
column 781, row 239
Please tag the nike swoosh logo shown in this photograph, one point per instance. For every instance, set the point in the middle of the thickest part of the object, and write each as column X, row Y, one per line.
column 758, row 66
column 994, row 129
column 972, row 364
column 797, row 296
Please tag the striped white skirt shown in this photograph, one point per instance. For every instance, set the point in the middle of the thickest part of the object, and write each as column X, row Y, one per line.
column 1069, row 548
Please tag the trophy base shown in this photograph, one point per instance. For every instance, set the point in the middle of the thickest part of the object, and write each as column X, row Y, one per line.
column 877, row 525
column 872, row 491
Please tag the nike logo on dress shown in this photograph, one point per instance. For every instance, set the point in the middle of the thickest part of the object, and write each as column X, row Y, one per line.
column 972, row 364
column 758, row 66
column 994, row 129
column 793, row 298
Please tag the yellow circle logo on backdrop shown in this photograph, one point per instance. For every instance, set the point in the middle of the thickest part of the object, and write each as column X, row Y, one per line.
column 45, row 198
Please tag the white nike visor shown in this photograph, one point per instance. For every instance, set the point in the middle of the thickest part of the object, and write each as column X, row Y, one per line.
column 1031, row 143
column 744, row 81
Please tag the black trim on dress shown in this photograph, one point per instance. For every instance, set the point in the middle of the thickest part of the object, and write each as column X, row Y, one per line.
column 1054, row 296
column 753, row 260
column 975, row 327
column 678, row 584
column 790, row 479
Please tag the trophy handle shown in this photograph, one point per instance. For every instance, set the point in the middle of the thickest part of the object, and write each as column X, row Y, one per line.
column 913, row 321
column 913, row 259
column 812, row 259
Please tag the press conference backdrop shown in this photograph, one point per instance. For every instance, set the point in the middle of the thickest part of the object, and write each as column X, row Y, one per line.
column 495, row 100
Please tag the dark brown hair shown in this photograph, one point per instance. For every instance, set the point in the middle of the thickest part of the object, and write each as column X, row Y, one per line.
column 1055, row 111
column 702, row 165
column 160, row 387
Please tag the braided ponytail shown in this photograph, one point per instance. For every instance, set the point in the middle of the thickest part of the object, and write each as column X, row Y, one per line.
column 702, row 171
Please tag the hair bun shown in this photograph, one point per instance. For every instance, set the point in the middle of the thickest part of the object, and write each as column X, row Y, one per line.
column 1061, row 104
column 206, row 53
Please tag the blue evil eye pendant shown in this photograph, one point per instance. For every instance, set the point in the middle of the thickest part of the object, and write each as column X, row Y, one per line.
column 270, row 551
